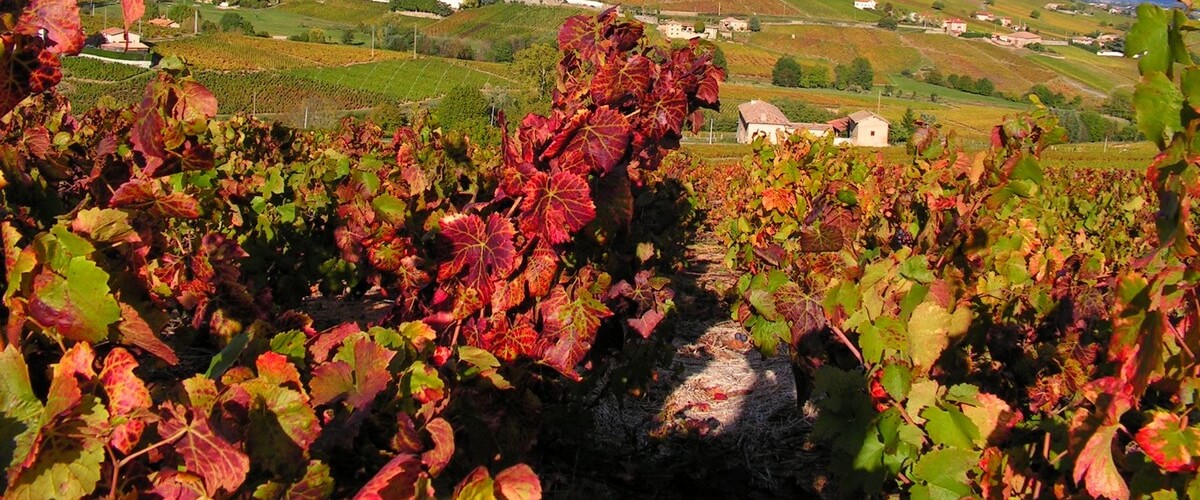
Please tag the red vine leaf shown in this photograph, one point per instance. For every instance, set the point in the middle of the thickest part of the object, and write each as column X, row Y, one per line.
column 508, row 342
column 1170, row 442
column 518, row 482
column 60, row 19
column 1094, row 466
column 572, row 324
column 621, row 80
column 127, row 398
column 443, row 445
column 484, row 250
column 395, row 480
column 603, row 139
column 540, row 270
column 578, row 34
column 357, row 373
column 135, row 331
column 556, row 205
column 132, row 10
column 213, row 457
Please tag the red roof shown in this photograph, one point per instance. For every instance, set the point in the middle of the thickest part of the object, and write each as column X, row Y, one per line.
column 954, row 20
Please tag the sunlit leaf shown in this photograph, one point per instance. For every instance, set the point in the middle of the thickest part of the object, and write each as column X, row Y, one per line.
column 127, row 397
column 556, row 205
column 1170, row 442
column 212, row 456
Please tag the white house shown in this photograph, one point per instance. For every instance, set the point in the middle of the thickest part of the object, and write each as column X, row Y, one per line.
column 757, row 118
column 985, row 16
column 954, row 26
column 1110, row 53
column 735, row 24
column 114, row 40
column 760, row 118
column 678, row 30
column 861, row 128
column 1018, row 39
column 864, row 4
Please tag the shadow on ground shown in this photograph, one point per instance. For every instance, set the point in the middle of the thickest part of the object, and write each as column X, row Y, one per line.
column 721, row 421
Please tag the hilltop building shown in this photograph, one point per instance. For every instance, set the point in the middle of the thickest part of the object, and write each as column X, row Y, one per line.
column 1018, row 39
column 735, row 24
column 678, row 30
column 113, row 40
column 862, row 128
column 864, row 4
column 163, row 22
column 954, row 26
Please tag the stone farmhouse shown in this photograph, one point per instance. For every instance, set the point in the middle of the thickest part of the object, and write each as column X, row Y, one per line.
column 864, row 4
column 862, row 128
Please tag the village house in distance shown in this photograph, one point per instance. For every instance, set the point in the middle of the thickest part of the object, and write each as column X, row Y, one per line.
column 861, row 128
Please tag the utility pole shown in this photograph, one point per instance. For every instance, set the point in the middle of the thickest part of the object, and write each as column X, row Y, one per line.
column 196, row 22
column 710, row 130
column 879, row 101
column 414, row 41
column 372, row 42
column 306, row 116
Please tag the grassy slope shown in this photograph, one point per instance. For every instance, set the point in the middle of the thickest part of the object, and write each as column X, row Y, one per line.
column 1011, row 70
column 501, row 21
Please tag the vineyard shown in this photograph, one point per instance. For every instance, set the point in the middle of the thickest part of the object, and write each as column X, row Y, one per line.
column 91, row 69
column 412, row 79
column 204, row 307
column 229, row 52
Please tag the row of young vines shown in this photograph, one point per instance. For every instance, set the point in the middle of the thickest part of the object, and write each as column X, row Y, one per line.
column 155, row 258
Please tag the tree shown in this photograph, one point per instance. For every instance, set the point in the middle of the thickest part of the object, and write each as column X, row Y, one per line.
column 755, row 24
column 903, row 130
column 1119, row 104
column 317, row 35
column 502, row 51
column 888, row 23
column 934, row 77
column 1035, row 14
column 463, row 104
column 181, row 12
column 537, row 65
column 815, row 77
column 347, row 37
column 985, row 87
column 861, row 73
column 699, row 27
column 787, row 72
column 938, row 5
column 841, row 76
column 800, row 111
column 719, row 58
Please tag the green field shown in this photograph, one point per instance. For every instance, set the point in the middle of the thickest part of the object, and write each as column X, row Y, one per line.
column 408, row 80
column 91, row 69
